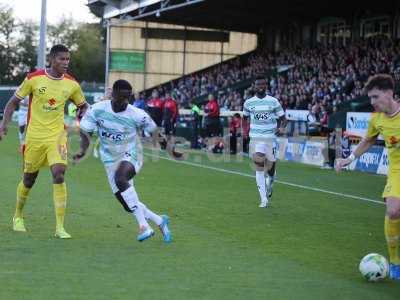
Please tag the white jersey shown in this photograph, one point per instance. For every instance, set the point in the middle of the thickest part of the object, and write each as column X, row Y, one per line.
column 117, row 131
column 263, row 115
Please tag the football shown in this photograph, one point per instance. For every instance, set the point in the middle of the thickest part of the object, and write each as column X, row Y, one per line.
column 374, row 267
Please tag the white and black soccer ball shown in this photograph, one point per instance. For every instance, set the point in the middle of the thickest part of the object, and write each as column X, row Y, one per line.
column 374, row 267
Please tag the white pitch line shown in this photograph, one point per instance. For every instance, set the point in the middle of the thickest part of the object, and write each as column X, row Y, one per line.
column 305, row 187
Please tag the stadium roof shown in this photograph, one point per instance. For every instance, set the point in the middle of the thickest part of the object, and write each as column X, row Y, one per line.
column 237, row 15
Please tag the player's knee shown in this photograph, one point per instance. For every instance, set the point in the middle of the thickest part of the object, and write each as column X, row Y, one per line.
column 393, row 213
column 58, row 177
column 259, row 163
column 121, row 182
column 29, row 181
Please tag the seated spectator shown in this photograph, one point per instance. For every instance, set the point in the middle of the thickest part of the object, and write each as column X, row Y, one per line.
column 324, row 119
column 313, row 123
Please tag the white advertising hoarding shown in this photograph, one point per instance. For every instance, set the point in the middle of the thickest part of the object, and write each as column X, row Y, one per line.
column 357, row 123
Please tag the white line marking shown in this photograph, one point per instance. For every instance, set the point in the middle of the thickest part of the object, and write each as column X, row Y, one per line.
column 305, row 187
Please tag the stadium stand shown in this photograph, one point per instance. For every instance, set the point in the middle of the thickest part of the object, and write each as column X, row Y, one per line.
column 321, row 79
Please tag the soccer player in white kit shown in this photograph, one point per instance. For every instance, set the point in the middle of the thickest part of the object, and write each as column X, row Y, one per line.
column 116, row 123
column 22, row 119
column 267, row 119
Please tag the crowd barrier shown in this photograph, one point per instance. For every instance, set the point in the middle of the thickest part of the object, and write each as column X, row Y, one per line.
column 374, row 161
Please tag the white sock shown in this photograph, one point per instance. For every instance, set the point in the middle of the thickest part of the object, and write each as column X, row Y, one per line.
column 151, row 215
column 260, row 179
column 132, row 200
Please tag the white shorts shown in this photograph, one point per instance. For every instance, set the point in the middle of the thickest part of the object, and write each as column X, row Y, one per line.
column 270, row 149
column 22, row 115
column 112, row 168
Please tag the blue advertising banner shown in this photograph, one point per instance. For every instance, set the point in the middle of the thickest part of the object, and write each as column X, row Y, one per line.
column 313, row 153
column 369, row 161
column 294, row 150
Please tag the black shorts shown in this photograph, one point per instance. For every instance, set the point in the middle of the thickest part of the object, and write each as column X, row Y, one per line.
column 158, row 121
column 156, row 115
column 169, row 127
column 213, row 128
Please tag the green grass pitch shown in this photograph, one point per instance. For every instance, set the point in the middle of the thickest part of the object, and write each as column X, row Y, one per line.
column 307, row 245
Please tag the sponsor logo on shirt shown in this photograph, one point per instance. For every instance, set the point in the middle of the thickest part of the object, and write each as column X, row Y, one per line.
column 262, row 116
column 115, row 137
column 50, row 105
column 42, row 90
column 393, row 140
column 52, row 102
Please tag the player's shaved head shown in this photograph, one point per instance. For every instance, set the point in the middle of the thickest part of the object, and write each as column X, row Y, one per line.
column 121, row 84
column 260, row 85
column 122, row 89
column 59, row 59
column 121, row 93
column 57, row 49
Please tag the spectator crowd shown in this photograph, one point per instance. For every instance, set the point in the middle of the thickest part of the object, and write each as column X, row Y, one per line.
column 318, row 79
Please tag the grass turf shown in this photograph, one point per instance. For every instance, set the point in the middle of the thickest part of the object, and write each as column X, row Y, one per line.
column 307, row 245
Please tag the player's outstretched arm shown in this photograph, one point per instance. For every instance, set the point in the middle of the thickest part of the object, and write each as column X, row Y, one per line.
column 84, row 145
column 282, row 123
column 362, row 147
column 82, row 110
column 8, row 112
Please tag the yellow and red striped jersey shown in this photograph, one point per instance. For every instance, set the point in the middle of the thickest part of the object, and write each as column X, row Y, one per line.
column 46, row 103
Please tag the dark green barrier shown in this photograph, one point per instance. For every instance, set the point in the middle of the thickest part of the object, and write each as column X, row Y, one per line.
column 5, row 95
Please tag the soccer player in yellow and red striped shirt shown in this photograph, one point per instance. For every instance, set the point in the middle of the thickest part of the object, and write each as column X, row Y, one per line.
column 386, row 122
column 46, row 138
